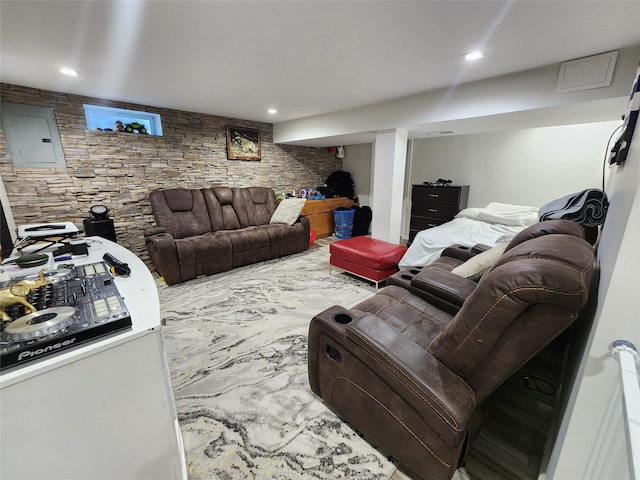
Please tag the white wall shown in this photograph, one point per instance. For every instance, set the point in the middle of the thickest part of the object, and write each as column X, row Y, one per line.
column 578, row 453
column 525, row 167
column 357, row 161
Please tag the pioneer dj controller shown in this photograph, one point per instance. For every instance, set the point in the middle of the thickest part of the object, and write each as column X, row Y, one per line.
column 79, row 304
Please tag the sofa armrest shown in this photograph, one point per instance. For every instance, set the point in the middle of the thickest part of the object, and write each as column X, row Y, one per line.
column 444, row 285
column 442, row 397
column 458, row 251
column 303, row 219
column 480, row 247
column 154, row 231
column 464, row 253
column 164, row 256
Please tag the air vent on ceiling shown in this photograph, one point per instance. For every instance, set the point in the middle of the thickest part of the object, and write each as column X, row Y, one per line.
column 443, row 132
column 586, row 73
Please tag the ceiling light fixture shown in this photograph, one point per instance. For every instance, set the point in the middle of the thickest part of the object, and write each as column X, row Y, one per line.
column 69, row 71
column 272, row 111
column 474, row 55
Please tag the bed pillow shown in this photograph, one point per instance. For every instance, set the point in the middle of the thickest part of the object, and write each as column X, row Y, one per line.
column 506, row 214
column 288, row 211
column 474, row 268
column 471, row 213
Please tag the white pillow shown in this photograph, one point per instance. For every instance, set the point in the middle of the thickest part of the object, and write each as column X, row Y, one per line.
column 475, row 267
column 507, row 214
column 530, row 219
column 288, row 211
column 470, row 212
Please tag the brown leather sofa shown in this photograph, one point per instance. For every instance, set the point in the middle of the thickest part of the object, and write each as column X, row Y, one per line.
column 210, row 230
column 409, row 375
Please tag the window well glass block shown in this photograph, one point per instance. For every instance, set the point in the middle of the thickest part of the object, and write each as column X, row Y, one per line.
column 118, row 119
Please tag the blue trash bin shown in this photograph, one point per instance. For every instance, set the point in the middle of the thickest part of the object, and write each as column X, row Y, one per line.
column 343, row 222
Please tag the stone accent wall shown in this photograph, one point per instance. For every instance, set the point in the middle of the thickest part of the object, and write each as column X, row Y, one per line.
column 120, row 169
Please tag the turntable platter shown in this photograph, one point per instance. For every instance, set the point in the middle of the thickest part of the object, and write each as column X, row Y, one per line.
column 39, row 324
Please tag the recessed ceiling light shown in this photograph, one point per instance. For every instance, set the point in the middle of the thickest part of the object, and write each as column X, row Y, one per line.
column 69, row 71
column 474, row 55
column 272, row 111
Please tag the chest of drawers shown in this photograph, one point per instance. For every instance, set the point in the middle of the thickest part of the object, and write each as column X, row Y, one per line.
column 434, row 205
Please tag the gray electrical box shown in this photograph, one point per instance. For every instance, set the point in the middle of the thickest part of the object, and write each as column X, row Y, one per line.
column 32, row 136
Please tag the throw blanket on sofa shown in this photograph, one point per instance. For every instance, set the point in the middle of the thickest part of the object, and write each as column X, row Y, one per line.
column 587, row 208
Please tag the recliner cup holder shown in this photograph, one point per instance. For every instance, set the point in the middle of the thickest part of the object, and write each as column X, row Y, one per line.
column 406, row 277
column 414, row 271
column 342, row 318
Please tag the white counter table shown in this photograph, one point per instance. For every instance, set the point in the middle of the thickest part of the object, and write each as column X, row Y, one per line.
column 102, row 410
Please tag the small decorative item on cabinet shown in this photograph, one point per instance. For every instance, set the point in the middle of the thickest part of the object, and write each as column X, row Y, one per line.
column 433, row 205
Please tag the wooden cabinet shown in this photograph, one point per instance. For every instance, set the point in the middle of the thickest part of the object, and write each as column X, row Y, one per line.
column 320, row 214
column 433, row 205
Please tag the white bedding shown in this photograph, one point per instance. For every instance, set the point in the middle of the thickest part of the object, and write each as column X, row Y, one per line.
column 463, row 230
column 429, row 244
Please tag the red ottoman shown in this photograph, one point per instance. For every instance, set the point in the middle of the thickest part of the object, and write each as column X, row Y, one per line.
column 366, row 257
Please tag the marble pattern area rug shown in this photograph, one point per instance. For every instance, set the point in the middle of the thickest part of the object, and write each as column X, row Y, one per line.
column 237, row 349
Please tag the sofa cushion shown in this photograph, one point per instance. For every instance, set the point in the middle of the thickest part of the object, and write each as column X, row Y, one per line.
column 249, row 245
column 414, row 317
column 181, row 211
column 254, row 205
column 475, row 267
column 203, row 255
column 549, row 227
column 179, row 200
column 222, row 215
column 288, row 211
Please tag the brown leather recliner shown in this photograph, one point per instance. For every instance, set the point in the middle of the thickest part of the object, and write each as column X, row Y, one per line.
column 409, row 375
column 447, row 291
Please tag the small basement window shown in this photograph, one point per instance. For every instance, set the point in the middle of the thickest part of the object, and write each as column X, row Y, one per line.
column 107, row 118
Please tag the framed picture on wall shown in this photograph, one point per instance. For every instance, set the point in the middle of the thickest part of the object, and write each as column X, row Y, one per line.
column 243, row 144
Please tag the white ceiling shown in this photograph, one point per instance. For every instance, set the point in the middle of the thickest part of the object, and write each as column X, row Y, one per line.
column 305, row 58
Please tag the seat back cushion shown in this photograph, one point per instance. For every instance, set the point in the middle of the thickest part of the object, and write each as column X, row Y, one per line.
column 222, row 214
column 531, row 294
column 547, row 227
column 254, row 205
column 181, row 211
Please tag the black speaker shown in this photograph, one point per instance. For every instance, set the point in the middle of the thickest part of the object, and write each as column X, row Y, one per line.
column 101, row 228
